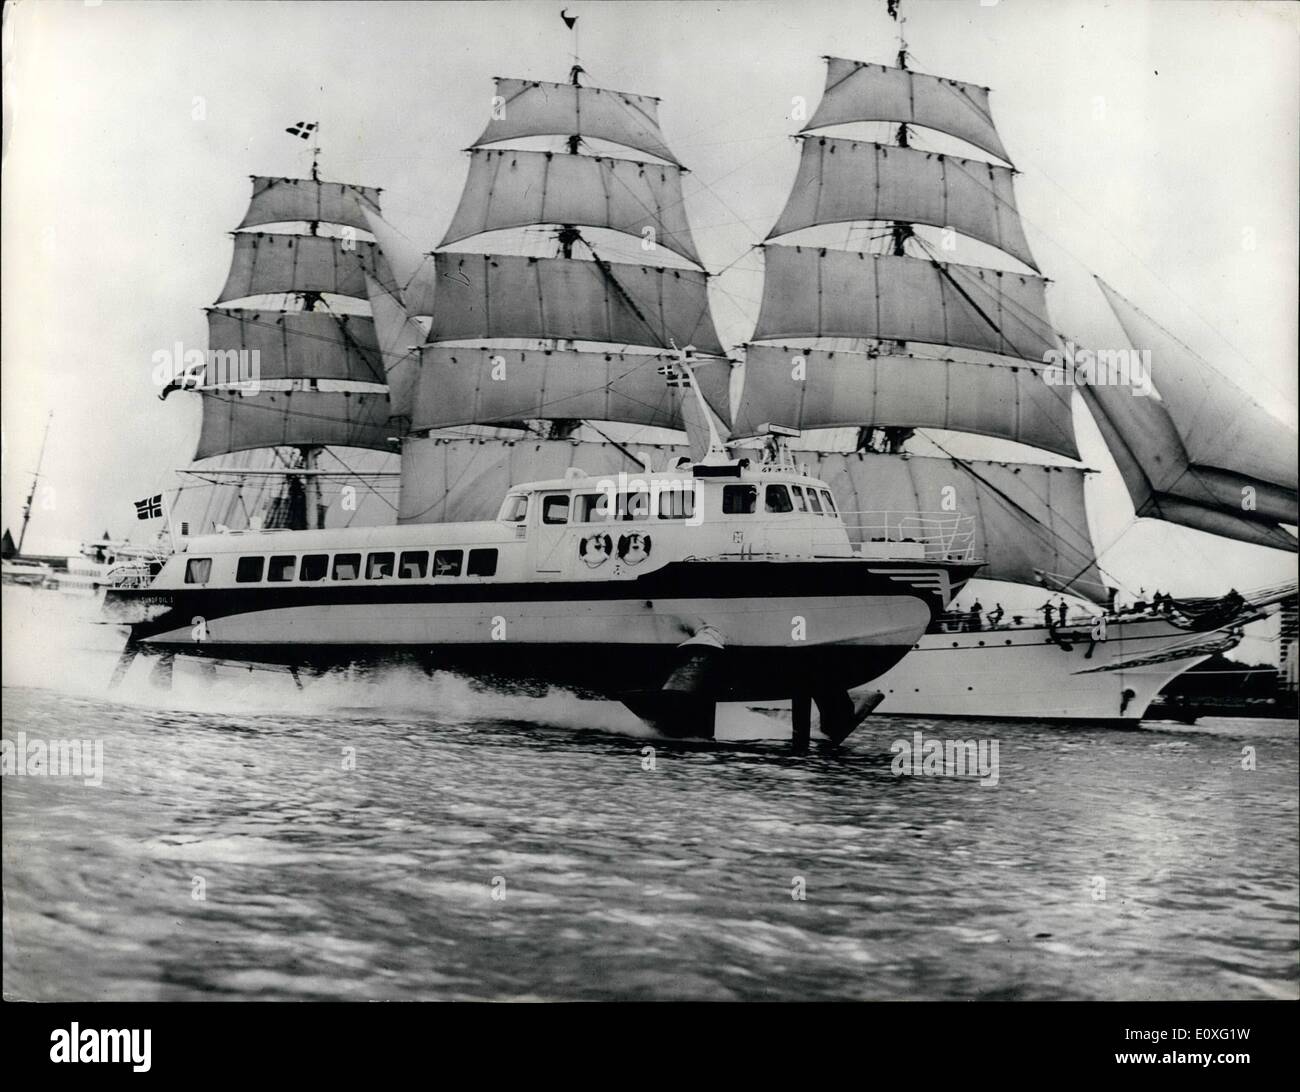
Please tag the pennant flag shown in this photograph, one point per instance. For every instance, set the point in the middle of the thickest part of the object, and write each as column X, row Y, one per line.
column 569, row 20
column 149, row 508
column 303, row 129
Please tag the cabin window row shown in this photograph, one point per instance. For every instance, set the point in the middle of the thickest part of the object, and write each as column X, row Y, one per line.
column 561, row 508
column 380, row 565
column 742, row 500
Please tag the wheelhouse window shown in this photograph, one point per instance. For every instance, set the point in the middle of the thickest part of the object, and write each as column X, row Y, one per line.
column 379, row 567
column 447, row 562
column 677, row 504
column 800, row 504
column 414, row 564
column 314, row 567
column 482, row 563
column 739, row 500
column 555, row 508
column 830, row 504
column 347, row 566
column 776, row 498
column 634, row 505
column 249, row 570
column 814, row 505
column 592, row 507
column 281, row 568
column 198, row 570
column 514, row 509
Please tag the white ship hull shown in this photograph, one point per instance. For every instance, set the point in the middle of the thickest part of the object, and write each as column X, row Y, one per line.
column 1024, row 673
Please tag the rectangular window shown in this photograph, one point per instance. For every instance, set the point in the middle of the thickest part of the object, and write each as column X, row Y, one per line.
column 447, row 562
column 830, row 504
column 555, row 508
column 415, row 563
column 800, row 504
column 281, row 568
column 514, row 509
column 314, row 567
column 677, row 504
column 634, row 505
column 814, row 505
column 249, row 570
column 482, row 563
column 347, row 566
column 739, row 500
column 592, row 507
column 776, row 498
column 197, row 570
column 379, row 567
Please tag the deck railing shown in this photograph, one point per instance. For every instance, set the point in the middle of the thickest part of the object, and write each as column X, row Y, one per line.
column 945, row 536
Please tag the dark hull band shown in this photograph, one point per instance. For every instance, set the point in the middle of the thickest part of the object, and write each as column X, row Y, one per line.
column 594, row 671
column 825, row 578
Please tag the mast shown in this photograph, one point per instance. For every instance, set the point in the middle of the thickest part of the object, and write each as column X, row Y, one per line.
column 298, row 309
column 575, row 339
column 933, row 344
column 31, row 495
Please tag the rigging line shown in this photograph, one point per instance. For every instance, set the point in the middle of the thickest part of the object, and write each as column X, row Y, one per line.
column 607, row 386
column 1174, row 337
column 287, row 412
column 511, row 443
column 1085, row 534
column 339, row 317
column 1186, row 303
column 611, row 440
column 370, row 488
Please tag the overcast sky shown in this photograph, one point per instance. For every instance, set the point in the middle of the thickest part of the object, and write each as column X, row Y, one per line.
column 131, row 129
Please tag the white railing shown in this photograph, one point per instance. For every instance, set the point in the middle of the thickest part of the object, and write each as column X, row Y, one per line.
column 945, row 536
column 131, row 574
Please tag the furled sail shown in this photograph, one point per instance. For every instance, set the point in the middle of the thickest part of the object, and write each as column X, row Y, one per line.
column 872, row 92
column 846, row 180
column 267, row 264
column 500, row 296
column 272, row 418
column 300, row 344
column 528, row 108
column 1203, row 454
column 812, row 292
column 509, row 189
column 486, row 386
column 460, row 479
column 284, row 200
column 809, row 388
column 1031, row 522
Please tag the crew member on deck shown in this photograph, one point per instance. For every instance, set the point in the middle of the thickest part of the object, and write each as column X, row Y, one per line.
column 1046, row 608
column 977, row 615
column 995, row 618
column 1061, row 611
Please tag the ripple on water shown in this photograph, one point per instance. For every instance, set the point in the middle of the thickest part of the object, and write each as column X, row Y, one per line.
column 473, row 851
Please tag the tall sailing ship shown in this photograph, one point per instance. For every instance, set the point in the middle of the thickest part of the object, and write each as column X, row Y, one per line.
column 691, row 577
column 553, row 351
column 896, row 338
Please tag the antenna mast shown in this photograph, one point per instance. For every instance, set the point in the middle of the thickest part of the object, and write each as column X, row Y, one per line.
column 31, row 495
